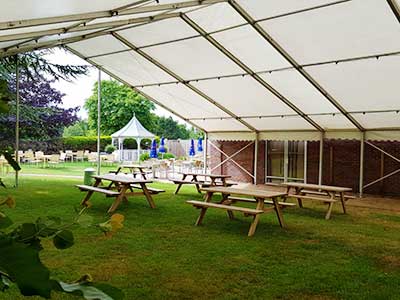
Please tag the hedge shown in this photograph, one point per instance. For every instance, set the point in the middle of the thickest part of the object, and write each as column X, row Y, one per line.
column 76, row 143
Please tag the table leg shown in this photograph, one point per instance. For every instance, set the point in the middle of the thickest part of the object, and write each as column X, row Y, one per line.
column 118, row 199
column 278, row 211
column 194, row 178
column 204, row 209
column 330, row 206
column 180, row 184
column 224, row 201
column 148, row 195
column 90, row 193
column 256, row 218
column 343, row 200
column 298, row 192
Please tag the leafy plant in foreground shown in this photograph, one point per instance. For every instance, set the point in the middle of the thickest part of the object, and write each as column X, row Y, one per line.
column 20, row 262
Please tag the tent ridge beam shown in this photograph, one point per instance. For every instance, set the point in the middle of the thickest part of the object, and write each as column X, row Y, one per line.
column 247, row 69
column 395, row 8
column 293, row 62
column 103, row 14
column 180, row 79
column 132, row 87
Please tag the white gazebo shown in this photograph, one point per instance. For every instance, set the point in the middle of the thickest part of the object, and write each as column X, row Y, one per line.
column 133, row 130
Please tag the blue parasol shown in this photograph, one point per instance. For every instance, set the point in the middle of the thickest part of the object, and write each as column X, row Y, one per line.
column 200, row 145
column 191, row 149
column 153, row 150
column 162, row 146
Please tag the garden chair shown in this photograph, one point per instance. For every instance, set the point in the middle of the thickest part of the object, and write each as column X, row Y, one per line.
column 79, row 155
column 54, row 160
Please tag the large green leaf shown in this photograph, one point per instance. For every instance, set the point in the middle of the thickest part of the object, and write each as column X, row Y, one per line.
column 21, row 262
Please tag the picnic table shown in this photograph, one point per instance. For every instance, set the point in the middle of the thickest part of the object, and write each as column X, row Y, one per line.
column 214, row 180
column 326, row 193
column 120, row 188
column 135, row 169
column 258, row 197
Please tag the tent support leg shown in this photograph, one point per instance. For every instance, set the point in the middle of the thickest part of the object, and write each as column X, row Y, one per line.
column 17, row 117
column 361, row 183
column 98, row 122
column 321, row 157
column 255, row 159
column 205, row 153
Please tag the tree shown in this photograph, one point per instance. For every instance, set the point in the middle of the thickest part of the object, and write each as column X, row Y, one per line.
column 118, row 103
column 80, row 128
column 41, row 117
column 170, row 129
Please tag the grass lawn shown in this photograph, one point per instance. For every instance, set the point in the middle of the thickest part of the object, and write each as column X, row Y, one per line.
column 159, row 254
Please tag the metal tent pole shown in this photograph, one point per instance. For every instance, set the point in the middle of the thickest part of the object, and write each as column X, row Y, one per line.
column 321, row 156
column 17, row 117
column 138, row 149
column 255, row 159
column 98, row 122
column 305, row 162
column 205, row 152
column 285, row 161
column 361, row 183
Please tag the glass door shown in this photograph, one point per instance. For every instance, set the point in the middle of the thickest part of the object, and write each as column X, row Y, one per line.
column 286, row 161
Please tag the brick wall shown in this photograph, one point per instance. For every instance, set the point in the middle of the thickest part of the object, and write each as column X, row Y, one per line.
column 341, row 164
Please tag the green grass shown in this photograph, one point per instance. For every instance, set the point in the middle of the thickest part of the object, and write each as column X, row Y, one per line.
column 68, row 168
column 159, row 254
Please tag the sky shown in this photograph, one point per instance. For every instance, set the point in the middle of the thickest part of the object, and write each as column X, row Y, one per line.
column 77, row 91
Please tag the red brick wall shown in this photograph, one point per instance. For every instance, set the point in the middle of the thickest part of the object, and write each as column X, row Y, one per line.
column 341, row 164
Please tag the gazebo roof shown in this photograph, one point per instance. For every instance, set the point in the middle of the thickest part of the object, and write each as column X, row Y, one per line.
column 133, row 130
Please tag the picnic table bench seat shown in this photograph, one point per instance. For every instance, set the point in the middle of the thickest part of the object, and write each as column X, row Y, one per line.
column 150, row 189
column 312, row 198
column 248, row 211
column 108, row 193
column 180, row 181
column 227, row 183
column 250, row 200
column 346, row 196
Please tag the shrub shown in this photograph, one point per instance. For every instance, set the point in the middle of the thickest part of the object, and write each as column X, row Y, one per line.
column 144, row 156
column 110, row 148
column 166, row 155
column 76, row 143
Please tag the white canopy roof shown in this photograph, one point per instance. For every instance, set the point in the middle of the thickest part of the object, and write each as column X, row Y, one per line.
column 133, row 130
column 248, row 66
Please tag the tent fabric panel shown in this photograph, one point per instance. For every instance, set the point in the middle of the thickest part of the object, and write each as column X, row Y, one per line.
column 184, row 101
column 332, row 121
column 32, row 9
column 133, row 68
column 343, row 135
column 260, row 9
column 98, row 45
column 247, row 45
column 243, row 96
column 194, row 58
column 220, row 125
column 299, row 91
column 231, row 136
column 290, row 135
column 379, row 120
column 216, row 17
column 279, row 123
column 383, row 135
column 339, row 31
column 158, row 32
column 363, row 85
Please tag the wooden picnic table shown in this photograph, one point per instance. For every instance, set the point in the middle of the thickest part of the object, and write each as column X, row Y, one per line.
column 132, row 167
column 260, row 198
column 326, row 193
column 215, row 180
column 122, row 184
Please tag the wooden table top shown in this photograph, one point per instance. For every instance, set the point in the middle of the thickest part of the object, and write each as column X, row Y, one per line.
column 134, row 166
column 244, row 192
column 121, row 178
column 208, row 175
column 329, row 188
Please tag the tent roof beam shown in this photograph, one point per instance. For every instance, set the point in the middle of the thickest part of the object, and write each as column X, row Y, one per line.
column 181, row 80
column 293, row 62
column 248, row 70
column 132, row 87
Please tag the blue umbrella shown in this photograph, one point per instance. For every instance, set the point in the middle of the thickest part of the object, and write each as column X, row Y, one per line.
column 200, row 145
column 153, row 150
column 162, row 146
column 191, row 149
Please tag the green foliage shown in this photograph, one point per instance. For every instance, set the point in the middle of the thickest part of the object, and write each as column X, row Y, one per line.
column 165, row 155
column 5, row 96
column 20, row 261
column 76, row 143
column 80, row 128
column 118, row 103
column 144, row 156
column 110, row 148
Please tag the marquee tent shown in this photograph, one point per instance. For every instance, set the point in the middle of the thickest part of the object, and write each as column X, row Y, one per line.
column 280, row 69
column 237, row 69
